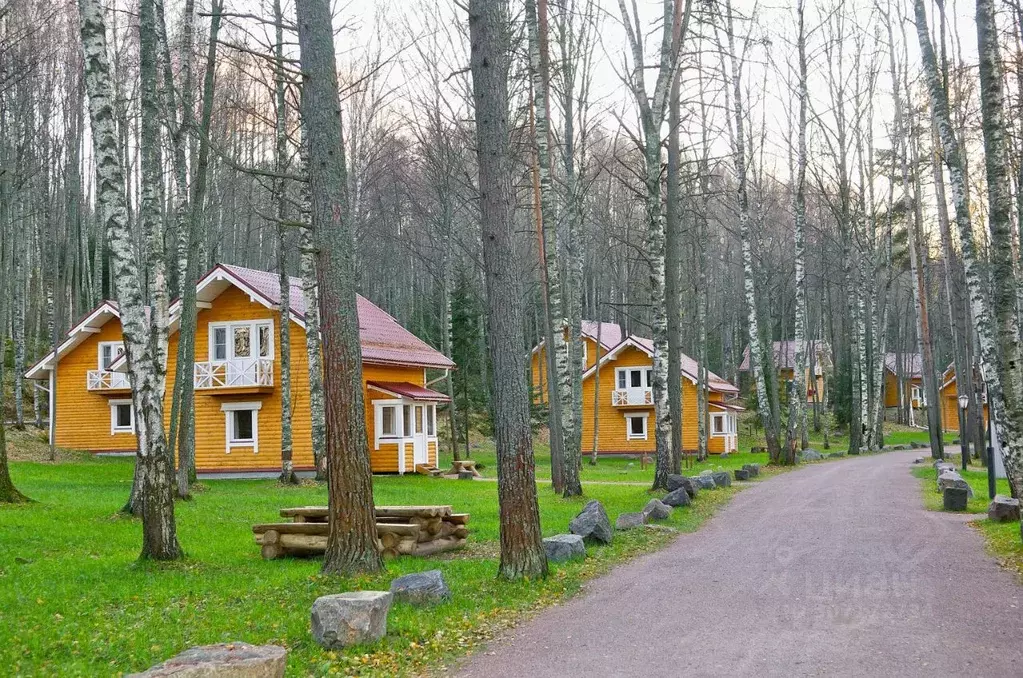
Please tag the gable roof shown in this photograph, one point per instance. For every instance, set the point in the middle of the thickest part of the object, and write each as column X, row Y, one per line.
column 610, row 334
column 912, row 364
column 383, row 339
column 785, row 354
column 690, row 368
column 87, row 325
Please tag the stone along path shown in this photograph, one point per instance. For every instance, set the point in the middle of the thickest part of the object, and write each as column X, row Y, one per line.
column 833, row 569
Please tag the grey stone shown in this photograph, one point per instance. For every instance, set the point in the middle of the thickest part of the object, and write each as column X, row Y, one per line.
column 224, row 660
column 918, row 460
column 704, row 482
column 675, row 481
column 690, row 486
column 1003, row 509
column 677, row 497
column 421, row 587
column 835, row 455
column 944, row 467
column 953, row 479
column 741, row 474
column 628, row 521
column 706, row 472
column 562, row 547
column 350, row 618
column 466, row 475
column 915, row 445
column 954, row 499
column 657, row 510
column 592, row 523
column 722, row 479
column 810, row 454
column 754, row 469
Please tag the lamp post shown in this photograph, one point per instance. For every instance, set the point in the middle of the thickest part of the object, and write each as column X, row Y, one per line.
column 964, row 445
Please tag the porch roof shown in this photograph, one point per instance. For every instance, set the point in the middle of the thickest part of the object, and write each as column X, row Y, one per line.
column 404, row 389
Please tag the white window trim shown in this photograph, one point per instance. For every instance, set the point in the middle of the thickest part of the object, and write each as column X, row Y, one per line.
column 99, row 350
column 114, row 428
column 229, row 326
column 228, row 409
column 724, row 425
column 378, row 422
column 644, row 370
column 629, row 416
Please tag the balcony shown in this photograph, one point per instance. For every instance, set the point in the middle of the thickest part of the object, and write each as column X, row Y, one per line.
column 632, row 397
column 103, row 380
column 235, row 376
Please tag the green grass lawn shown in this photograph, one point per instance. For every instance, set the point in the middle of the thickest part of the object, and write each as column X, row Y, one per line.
column 76, row 602
column 1002, row 539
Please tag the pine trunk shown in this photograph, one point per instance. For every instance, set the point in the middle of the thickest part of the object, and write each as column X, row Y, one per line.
column 522, row 553
column 351, row 544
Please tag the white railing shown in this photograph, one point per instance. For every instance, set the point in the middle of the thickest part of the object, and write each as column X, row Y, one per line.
column 102, row 380
column 234, row 373
column 632, row 396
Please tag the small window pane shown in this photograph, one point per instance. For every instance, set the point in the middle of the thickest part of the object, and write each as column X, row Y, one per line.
column 387, row 420
column 621, row 380
column 107, row 355
column 243, row 425
column 220, row 343
column 419, row 419
column 408, row 420
column 431, row 422
column 649, row 378
column 242, row 342
column 637, row 378
column 264, row 341
column 124, row 416
column 637, row 425
column 719, row 424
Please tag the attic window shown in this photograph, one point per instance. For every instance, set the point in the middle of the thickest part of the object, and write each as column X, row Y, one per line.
column 109, row 352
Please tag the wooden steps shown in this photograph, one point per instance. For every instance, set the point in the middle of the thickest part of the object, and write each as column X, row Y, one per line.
column 428, row 470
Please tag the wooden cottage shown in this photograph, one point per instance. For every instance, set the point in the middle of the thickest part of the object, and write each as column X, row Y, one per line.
column 904, row 381
column 949, row 393
column 617, row 386
column 236, row 379
column 818, row 359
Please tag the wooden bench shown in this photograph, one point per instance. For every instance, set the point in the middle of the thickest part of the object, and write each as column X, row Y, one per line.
column 463, row 465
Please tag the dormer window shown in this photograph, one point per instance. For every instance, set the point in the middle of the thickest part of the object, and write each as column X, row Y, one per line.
column 109, row 352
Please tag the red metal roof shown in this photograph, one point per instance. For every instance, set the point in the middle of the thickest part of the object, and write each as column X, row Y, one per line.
column 691, row 369
column 610, row 333
column 785, row 354
column 407, row 390
column 383, row 338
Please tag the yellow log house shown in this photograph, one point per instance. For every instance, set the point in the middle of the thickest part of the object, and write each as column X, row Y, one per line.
column 236, row 379
column 910, row 367
column 950, row 399
column 785, row 361
column 617, row 387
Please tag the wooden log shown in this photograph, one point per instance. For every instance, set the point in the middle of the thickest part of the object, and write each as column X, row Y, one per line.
column 271, row 551
column 308, row 513
column 403, row 529
column 461, row 532
column 389, row 539
column 271, row 537
column 457, row 518
column 410, row 511
column 430, row 525
column 438, row 546
column 407, row 546
column 292, row 528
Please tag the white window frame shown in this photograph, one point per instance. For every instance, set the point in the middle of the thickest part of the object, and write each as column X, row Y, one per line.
column 724, row 425
column 114, row 346
column 229, row 327
column 629, row 416
column 378, row 422
column 229, row 409
column 584, row 343
column 114, row 428
column 644, row 370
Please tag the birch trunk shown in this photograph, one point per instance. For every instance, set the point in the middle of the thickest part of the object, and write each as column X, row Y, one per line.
column 145, row 338
column 280, row 201
column 673, row 271
column 556, row 349
column 1009, row 372
column 522, row 553
column 351, row 543
column 797, row 400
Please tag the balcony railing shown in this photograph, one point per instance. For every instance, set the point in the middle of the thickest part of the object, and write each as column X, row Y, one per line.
column 234, row 374
column 102, row 380
column 632, row 396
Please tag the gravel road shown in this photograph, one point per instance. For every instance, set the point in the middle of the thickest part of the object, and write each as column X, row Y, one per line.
column 833, row 569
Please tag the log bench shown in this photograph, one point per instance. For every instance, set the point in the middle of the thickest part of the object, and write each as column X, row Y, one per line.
column 463, row 465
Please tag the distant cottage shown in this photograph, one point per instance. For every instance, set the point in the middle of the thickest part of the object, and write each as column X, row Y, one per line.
column 237, row 397
column 625, row 404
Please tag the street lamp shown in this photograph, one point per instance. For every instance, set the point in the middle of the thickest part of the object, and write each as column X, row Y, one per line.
column 964, row 446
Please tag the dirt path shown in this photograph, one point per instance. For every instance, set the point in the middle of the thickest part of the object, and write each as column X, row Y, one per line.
column 834, row 569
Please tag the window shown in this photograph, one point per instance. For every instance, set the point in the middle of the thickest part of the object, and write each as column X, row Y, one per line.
column 431, row 420
column 635, row 428
column 407, row 420
column 242, row 341
column 264, row 341
column 109, row 351
column 634, row 377
column 389, row 421
column 122, row 417
column 220, row 343
column 242, row 425
column 718, row 424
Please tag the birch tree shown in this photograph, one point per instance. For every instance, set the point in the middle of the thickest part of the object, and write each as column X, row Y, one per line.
column 522, row 553
column 145, row 337
column 351, row 542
